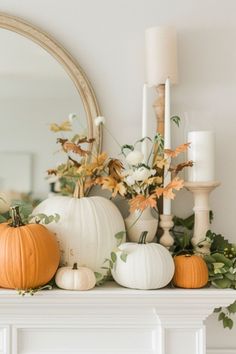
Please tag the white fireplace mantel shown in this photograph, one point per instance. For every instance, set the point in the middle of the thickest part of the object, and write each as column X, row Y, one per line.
column 109, row 319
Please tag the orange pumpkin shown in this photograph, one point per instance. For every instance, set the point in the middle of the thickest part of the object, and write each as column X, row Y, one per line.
column 191, row 272
column 29, row 254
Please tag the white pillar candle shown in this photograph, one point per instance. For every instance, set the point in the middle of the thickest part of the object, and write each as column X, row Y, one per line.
column 202, row 153
column 167, row 144
column 161, row 55
column 144, row 124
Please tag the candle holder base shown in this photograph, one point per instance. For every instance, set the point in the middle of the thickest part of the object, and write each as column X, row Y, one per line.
column 201, row 192
column 166, row 224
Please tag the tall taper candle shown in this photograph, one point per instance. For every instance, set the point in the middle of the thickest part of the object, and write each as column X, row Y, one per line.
column 167, row 144
column 144, row 124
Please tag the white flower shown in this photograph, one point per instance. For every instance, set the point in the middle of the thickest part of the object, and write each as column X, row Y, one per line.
column 153, row 172
column 142, row 173
column 72, row 117
column 134, row 157
column 130, row 180
column 99, row 120
column 137, row 189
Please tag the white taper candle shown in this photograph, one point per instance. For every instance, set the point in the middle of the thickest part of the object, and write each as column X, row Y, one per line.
column 167, row 144
column 144, row 123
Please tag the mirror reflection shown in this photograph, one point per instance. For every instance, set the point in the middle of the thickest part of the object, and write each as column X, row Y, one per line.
column 35, row 91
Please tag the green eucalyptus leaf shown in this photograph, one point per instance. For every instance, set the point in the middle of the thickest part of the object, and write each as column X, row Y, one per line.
column 187, row 223
column 209, row 259
column 219, row 243
column 124, row 256
column 218, row 265
column 120, row 237
column 217, row 309
column 232, row 308
column 230, row 276
column 214, row 276
column 219, row 257
column 111, row 264
column 228, row 322
column 127, row 147
column 98, row 276
column 113, row 257
column 221, row 283
column 143, row 139
column 57, row 217
column 176, row 120
column 221, row 316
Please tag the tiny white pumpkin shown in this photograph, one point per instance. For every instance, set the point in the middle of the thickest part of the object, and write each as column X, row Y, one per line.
column 75, row 278
column 147, row 266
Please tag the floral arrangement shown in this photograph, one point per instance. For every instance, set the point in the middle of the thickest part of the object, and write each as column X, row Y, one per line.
column 140, row 182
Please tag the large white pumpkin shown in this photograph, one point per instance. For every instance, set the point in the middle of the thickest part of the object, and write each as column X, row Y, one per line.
column 86, row 229
column 147, row 266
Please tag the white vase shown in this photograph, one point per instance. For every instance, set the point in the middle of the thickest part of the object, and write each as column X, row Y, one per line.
column 139, row 221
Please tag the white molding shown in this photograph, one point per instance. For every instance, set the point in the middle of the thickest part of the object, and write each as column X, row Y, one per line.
column 221, row 351
column 170, row 320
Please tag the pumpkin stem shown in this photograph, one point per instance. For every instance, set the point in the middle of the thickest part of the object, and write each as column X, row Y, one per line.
column 142, row 238
column 79, row 189
column 76, row 191
column 75, row 266
column 16, row 218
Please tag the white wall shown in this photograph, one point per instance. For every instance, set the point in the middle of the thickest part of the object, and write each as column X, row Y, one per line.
column 107, row 38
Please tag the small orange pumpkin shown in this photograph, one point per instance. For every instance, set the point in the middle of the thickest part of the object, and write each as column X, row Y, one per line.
column 191, row 272
column 29, row 254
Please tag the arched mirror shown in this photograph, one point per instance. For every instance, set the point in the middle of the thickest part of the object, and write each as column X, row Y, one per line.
column 40, row 84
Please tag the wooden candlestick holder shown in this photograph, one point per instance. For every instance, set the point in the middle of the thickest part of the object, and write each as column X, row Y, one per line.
column 201, row 192
column 166, row 224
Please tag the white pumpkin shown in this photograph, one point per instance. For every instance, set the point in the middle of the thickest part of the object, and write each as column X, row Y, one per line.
column 75, row 278
column 147, row 266
column 86, row 229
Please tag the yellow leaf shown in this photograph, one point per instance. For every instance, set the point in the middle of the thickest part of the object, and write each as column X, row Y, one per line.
column 153, row 180
column 63, row 127
column 112, row 185
column 159, row 162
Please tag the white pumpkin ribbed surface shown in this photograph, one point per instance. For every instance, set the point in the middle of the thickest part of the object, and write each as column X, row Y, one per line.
column 75, row 279
column 86, row 229
column 148, row 266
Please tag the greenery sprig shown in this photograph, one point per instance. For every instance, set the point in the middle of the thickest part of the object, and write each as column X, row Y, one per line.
column 221, row 261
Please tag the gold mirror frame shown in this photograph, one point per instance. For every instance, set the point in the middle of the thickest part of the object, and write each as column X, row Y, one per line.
column 70, row 65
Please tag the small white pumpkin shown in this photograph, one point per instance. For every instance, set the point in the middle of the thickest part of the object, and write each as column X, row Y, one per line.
column 75, row 278
column 147, row 266
column 86, row 229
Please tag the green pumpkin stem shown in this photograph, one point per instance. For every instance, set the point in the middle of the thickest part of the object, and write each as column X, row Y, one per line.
column 142, row 238
column 16, row 218
column 75, row 266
